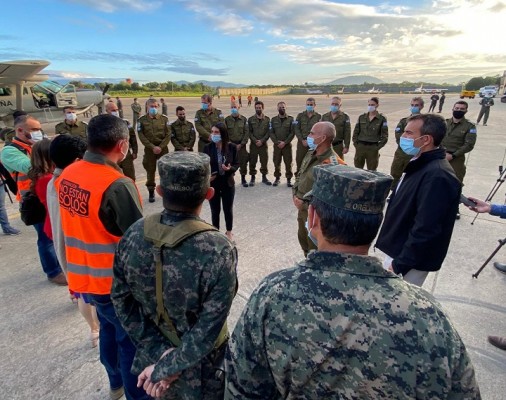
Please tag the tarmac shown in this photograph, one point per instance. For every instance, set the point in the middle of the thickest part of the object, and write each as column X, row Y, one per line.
column 46, row 352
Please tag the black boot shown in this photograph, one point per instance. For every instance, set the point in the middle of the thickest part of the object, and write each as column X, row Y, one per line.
column 289, row 183
column 265, row 180
column 252, row 180
column 243, row 181
column 276, row 182
column 501, row 267
column 151, row 195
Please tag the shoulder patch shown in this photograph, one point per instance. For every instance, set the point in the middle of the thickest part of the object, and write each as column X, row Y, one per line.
column 196, row 119
column 295, row 122
column 385, row 123
column 398, row 129
column 472, row 130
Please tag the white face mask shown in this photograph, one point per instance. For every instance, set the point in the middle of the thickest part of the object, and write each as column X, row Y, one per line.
column 71, row 116
column 371, row 108
column 36, row 135
column 125, row 153
column 115, row 113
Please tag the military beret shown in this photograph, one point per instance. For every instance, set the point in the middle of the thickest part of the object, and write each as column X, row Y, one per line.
column 350, row 188
column 184, row 171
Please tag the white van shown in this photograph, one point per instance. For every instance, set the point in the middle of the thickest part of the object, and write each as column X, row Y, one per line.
column 488, row 89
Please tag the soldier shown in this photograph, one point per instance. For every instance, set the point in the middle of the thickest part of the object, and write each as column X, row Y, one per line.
column 320, row 152
column 237, row 126
column 164, row 107
column 250, row 98
column 206, row 117
column 338, row 326
column 401, row 159
column 259, row 134
column 136, row 110
column 433, row 101
column 441, row 102
column 71, row 126
column 305, row 121
column 342, row 123
column 153, row 129
column 369, row 136
column 120, row 107
column 183, row 133
column 127, row 165
column 177, row 320
column 460, row 139
column 485, row 103
column 282, row 132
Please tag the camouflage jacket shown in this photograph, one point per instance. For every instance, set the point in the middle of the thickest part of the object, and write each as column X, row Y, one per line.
column 338, row 326
column 371, row 131
column 342, row 125
column 80, row 128
column 460, row 137
column 205, row 120
column 183, row 134
column 199, row 283
column 153, row 131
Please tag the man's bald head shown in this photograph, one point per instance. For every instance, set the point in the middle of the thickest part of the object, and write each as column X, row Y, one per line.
column 325, row 128
column 110, row 107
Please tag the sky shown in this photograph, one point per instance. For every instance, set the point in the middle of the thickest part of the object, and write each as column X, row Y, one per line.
column 258, row 41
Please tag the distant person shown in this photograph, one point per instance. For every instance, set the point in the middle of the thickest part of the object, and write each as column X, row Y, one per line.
column 183, row 133
column 232, row 98
column 341, row 121
column 240, row 100
column 238, row 131
column 420, row 216
column 119, row 104
column 136, row 110
column 206, row 117
column 441, row 102
column 485, row 103
column 433, row 101
column 304, row 123
column 369, row 136
column 336, row 325
column 256, row 99
column 71, row 125
column 250, row 99
column 164, row 107
column 258, row 125
column 282, row 132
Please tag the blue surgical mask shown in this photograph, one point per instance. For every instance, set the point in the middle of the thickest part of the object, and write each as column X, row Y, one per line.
column 310, row 235
column 334, row 109
column 415, row 110
column 234, row 111
column 153, row 110
column 204, row 106
column 309, row 108
column 310, row 143
column 408, row 146
column 216, row 138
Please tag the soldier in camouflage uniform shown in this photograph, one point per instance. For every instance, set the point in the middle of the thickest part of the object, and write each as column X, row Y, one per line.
column 198, row 282
column 401, row 159
column 304, row 122
column 71, row 126
column 154, row 133
column 136, row 111
column 183, row 133
column 205, row 118
column 342, row 123
column 282, row 132
column 320, row 144
column 165, row 110
column 485, row 103
column 338, row 326
column 237, row 126
column 259, row 134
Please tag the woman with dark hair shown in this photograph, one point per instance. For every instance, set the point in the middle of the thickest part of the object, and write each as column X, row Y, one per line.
column 224, row 163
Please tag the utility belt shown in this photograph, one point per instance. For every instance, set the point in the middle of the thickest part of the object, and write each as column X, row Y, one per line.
column 367, row 143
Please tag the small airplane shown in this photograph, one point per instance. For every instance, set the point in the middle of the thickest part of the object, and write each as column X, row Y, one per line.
column 373, row 91
column 23, row 88
column 421, row 89
column 340, row 91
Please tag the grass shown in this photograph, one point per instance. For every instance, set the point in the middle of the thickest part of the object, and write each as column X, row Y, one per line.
column 155, row 93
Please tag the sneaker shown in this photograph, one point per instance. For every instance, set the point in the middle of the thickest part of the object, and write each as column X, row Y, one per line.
column 116, row 394
column 59, row 279
column 12, row 231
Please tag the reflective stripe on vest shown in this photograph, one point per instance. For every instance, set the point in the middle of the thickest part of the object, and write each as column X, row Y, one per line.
column 89, row 247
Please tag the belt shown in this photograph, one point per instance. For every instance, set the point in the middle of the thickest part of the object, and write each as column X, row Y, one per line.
column 367, row 143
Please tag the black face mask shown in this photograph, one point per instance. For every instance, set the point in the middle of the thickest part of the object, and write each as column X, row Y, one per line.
column 281, row 112
column 459, row 114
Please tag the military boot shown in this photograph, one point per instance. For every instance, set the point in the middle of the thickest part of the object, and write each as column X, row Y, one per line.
column 265, row 180
column 243, row 181
column 151, row 195
column 289, row 182
column 276, row 182
column 252, row 180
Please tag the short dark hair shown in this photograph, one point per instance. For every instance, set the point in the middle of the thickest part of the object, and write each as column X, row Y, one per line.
column 346, row 227
column 432, row 125
column 105, row 131
column 464, row 103
column 65, row 149
column 375, row 99
column 179, row 108
column 259, row 102
column 225, row 138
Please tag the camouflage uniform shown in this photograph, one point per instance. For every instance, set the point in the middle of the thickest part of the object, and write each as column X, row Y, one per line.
column 80, row 128
column 343, row 131
column 401, row 159
column 258, row 130
column 136, row 110
column 127, row 165
column 282, row 129
column 203, row 123
column 369, row 136
column 239, row 134
column 302, row 129
column 183, row 135
column 485, row 103
column 199, row 283
column 460, row 139
column 153, row 132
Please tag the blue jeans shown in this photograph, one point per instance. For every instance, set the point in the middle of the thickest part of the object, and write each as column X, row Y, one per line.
column 116, row 349
column 4, row 219
column 47, row 255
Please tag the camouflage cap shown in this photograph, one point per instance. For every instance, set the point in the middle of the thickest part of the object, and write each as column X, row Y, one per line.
column 184, row 171
column 350, row 188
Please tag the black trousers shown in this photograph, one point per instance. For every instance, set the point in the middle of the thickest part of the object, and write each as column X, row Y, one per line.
column 223, row 194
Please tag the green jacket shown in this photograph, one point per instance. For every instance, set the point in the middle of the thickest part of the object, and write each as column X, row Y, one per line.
column 375, row 131
column 79, row 129
column 237, row 129
column 204, row 121
column 154, row 131
column 183, row 134
column 460, row 137
column 259, row 128
column 305, row 124
column 136, row 108
column 282, row 129
column 343, row 127
column 132, row 138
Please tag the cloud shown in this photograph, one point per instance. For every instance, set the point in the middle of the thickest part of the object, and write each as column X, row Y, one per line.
column 110, row 6
column 224, row 21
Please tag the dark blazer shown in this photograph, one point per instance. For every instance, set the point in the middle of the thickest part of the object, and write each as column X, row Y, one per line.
column 230, row 157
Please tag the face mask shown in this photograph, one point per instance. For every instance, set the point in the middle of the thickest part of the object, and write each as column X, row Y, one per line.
column 408, row 146
column 309, row 108
column 259, row 112
column 334, row 109
column 115, row 113
column 415, row 110
column 371, row 108
column 216, row 138
column 125, row 153
column 311, row 143
column 205, row 106
column 153, row 111
column 181, row 118
column 234, row 111
column 281, row 112
column 310, row 235
column 36, row 136
column 70, row 116
column 459, row 114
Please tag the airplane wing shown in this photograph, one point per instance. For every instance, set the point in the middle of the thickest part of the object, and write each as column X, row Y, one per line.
column 12, row 72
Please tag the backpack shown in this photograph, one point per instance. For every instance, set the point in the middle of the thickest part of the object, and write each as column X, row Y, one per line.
column 7, row 180
column 31, row 209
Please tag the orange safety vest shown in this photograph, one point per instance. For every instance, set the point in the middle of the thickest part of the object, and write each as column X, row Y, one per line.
column 21, row 179
column 89, row 247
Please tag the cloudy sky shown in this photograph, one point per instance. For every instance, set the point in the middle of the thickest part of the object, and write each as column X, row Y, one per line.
column 258, row 41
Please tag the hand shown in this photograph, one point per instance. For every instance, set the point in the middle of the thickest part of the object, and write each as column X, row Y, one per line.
column 391, row 268
column 238, row 146
column 213, row 177
column 226, row 167
column 151, row 388
column 481, row 206
column 134, row 156
column 157, row 150
column 304, row 143
column 449, row 156
column 345, row 150
column 281, row 145
column 258, row 143
column 297, row 202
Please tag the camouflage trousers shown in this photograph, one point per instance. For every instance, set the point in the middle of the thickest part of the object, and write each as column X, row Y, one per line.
column 255, row 153
column 399, row 163
column 306, row 244
column 300, row 154
column 367, row 153
column 459, row 166
column 149, row 164
column 127, row 165
column 286, row 155
column 243, row 159
column 338, row 148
